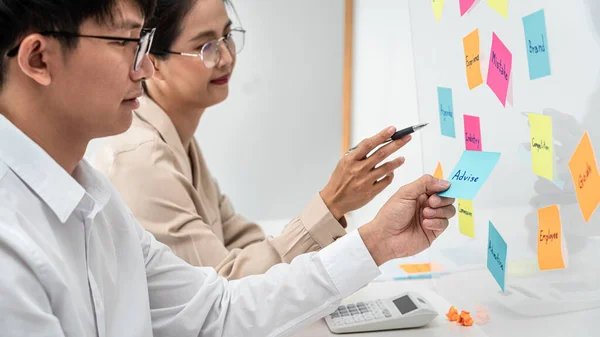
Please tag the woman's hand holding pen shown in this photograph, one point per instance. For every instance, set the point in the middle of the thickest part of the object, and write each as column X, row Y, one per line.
column 358, row 179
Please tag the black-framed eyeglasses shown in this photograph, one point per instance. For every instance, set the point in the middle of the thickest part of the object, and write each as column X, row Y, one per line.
column 210, row 52
column 144, row 43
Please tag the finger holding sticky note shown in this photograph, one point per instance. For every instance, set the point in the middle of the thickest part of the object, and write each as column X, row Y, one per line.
column 499, row 69
column 550, row 242
column 586, row 179
column 542, row 148
column 496, row 255
column 472, row 59
column 469, row 175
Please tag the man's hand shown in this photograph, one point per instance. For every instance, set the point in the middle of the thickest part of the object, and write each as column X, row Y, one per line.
column 409, row 222
column 357, row 179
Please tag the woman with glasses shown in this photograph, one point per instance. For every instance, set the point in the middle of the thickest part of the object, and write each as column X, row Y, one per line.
column 159, row 170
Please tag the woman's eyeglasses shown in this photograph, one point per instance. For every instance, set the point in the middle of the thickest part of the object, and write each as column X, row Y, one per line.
column 210, row 52
column 144, row 43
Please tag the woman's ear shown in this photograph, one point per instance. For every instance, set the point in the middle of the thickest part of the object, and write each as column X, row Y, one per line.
column 157, row 64
column 33, row 58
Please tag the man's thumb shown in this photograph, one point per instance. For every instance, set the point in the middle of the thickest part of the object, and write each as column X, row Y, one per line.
column 427, row 184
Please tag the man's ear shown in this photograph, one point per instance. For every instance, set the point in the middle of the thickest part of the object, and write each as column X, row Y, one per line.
column 33, row 57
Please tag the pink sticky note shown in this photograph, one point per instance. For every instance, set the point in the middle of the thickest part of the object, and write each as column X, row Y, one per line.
column 465, row 5
column 499, row 69
column 472, row 133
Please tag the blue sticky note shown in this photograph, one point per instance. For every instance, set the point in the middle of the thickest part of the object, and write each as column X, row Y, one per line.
column 471, row 172
column 496, row 256
column 446, row 111
column 536, row 39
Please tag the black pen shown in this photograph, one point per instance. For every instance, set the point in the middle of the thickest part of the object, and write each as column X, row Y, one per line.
column 399, row 134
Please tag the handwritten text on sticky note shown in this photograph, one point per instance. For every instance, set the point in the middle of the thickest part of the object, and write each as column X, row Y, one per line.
column 496, row 255
column 550, row 239
column 472, row 59
column 586, row 178
column 500, row 6
column 466, row 221
column 438, row 6
column 542, row 149
column 499, row 69
column 438, row 171
column 536, row 40
column 472, row 133
column 446, row 112
column 469, row 175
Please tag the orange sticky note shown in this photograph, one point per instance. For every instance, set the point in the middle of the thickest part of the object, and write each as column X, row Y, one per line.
column 438, row 171
column 586, row 179
column 473, row 64
column 550, row 239
column 415, row 268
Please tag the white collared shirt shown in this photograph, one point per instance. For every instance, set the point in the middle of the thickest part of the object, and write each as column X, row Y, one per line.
column 74, row 262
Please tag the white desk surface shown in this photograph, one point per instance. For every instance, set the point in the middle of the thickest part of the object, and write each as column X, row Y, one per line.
column 503, row 323
column 440, row 326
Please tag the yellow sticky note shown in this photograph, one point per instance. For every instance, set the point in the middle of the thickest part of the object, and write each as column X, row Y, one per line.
column 415, row 268
column 550, row 239
column 542, row 149
column 500, row 6
column 472, row 61
column 586, row 179
column 438, row 171
column 466, row 221
column 438, row 6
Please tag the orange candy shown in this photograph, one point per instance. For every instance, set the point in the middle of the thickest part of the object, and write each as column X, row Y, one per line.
column 464, row 318
column 452, row 314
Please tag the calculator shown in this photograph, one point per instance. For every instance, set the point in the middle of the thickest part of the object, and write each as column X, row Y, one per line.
column 408, row 310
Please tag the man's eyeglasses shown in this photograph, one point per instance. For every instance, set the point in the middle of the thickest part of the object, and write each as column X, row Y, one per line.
column 144, row 43
column 210, row 52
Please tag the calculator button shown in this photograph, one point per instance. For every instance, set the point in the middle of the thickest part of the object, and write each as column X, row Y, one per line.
column 335, row 315
column 378, row 315
column 368, row 317
column 338, row 321
column 358, row 318
column 348, row 320
column 387, row 313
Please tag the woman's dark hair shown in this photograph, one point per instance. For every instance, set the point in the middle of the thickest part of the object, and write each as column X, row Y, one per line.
column 21, row 17
column 167, row 20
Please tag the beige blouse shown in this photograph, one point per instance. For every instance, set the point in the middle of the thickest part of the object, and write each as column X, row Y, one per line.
column 182, row 206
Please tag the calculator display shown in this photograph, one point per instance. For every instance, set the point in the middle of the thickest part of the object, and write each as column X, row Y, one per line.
column 405, row 304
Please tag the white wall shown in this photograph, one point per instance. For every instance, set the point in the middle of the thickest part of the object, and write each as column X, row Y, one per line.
column 275, row 141
column 384, row 86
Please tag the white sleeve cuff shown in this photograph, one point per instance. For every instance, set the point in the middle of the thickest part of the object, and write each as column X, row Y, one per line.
column 349, row 263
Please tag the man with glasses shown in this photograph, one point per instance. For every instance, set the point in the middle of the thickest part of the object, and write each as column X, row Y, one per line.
column 74, row 262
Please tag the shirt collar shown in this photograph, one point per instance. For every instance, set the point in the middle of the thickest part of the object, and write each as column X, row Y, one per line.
column 154, row 115
column 57, row 188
